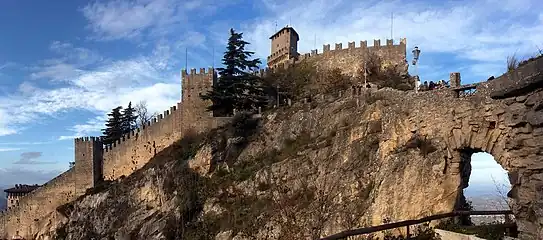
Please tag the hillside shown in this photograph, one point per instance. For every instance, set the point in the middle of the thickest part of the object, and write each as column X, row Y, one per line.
column 307, row 170
column 319, row 167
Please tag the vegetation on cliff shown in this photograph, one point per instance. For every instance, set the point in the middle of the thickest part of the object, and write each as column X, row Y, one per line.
column 121, row 121
column 237, row 88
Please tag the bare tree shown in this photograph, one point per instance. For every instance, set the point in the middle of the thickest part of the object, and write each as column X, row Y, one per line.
column 501, row 189
column 143, row 113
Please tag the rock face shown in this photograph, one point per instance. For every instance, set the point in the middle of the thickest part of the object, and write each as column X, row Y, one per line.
column 335, row 163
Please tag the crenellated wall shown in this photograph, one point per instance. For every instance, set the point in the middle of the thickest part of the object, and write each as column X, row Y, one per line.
column 134, row 150
column 350, row 59
column 94, row 161
column 25, row 219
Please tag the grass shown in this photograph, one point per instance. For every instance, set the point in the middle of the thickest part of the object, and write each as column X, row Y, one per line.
column 512, row 63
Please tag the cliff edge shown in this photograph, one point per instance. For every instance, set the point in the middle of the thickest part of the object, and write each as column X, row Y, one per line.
column 326, row 165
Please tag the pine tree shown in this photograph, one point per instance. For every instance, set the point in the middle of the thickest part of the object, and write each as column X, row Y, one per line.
column 236, row 87
column 114, row 127
column 128, row 119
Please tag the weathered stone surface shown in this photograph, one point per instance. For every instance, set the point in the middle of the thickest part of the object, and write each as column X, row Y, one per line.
column 514, row 118
column 520, row 98
column 534, row 99
column 332, row 159
column 535, row 118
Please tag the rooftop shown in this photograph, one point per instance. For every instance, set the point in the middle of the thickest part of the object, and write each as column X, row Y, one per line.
column 22, row 188
column 286, row 27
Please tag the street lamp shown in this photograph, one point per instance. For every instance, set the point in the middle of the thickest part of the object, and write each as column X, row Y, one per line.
column 416, row 53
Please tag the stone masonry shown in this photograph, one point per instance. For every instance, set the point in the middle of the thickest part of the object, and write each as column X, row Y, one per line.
column 349, row 60
column 504, row 118
column 93, row 162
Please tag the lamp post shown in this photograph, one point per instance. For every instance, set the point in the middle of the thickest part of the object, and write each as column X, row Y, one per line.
column 416, row 53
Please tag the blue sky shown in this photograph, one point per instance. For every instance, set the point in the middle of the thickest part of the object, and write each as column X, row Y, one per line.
column 65, row 64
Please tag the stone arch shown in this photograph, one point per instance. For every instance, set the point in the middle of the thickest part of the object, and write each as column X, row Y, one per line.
column 504, row 130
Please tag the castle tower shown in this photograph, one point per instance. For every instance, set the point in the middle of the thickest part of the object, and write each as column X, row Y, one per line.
column 284, row 46
column 88, row 163
column 193, row 85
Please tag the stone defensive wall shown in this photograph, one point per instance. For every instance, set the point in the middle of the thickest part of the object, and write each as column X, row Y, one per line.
column 94, row 161
column 351, row 59
column 25, row 219
column 503, row 117
column 134, row 150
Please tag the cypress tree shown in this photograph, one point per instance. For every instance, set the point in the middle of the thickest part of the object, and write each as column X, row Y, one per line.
column 236, row 88
column 114, row 127
column 128, row 119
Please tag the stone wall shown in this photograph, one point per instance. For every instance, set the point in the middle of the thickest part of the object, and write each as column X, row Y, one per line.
column 504, row 117
column 134, row 150
column 26, row 218
column 351, row 59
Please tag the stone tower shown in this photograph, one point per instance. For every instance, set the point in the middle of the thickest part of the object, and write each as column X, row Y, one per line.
column 193, row 85
column 88, row 163
column 284, row 46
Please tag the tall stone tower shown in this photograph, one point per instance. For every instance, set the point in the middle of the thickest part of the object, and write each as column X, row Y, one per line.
column 89, row 155
column 284, row 46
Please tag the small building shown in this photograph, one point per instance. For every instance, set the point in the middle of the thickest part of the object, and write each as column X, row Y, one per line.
column 284, row 46
column 17, row 192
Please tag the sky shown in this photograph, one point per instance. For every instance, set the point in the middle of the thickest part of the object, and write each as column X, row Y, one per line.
column 64, row 64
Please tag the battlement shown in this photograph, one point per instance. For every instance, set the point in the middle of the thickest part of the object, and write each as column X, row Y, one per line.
column 346, row 59
column 88, row 139
column 193, row 72
column 339, row 47
column 362, row 45
column 148, row 125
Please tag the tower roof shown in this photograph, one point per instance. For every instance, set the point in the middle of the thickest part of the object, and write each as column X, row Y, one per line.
column 286, row 27
column 22, row 188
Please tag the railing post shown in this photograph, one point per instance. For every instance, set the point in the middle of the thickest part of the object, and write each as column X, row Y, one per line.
column 507, row 219
column 407, row 232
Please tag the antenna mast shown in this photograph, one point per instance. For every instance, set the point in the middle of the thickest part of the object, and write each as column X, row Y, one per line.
column 315, row 42
column 391, row 25
column 186, row 58
column 213, row 58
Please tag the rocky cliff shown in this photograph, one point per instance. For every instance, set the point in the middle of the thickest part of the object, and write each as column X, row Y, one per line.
column 317, row 168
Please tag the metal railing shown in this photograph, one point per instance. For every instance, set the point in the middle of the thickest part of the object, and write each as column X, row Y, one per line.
column 408, row 223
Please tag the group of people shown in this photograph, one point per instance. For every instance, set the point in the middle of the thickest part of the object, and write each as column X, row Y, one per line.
column 430, row 86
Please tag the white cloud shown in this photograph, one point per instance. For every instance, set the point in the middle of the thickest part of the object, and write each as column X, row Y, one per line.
column 129, row 19
column 486, row 170
column 69, row 64
column 106, row 86
column 484, row 31
column 9, row 149
column 467, row 30
column 4, row 120
column 91, row 126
